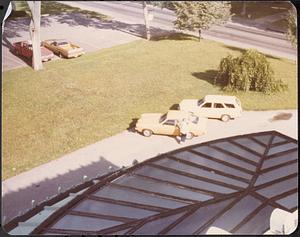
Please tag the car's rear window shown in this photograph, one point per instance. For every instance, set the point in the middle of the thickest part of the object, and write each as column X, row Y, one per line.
column 230, row 105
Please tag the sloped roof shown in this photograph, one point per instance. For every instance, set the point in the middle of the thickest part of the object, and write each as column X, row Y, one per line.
column 232, row 183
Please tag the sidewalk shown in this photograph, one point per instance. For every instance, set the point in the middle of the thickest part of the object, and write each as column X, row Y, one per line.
column 120, row 150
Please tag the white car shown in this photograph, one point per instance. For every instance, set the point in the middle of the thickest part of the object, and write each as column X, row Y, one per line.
column 214, row 106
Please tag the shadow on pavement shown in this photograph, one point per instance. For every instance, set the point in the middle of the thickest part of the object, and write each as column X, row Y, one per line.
column 20, row 201
column 132, row 125
column 6, row 43
column 13, row 26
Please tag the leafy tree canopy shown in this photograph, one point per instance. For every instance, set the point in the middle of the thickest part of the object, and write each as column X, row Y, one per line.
column 292, row 27
column 250, row 71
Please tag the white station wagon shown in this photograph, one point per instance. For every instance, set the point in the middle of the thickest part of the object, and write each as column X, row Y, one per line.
column 214, row 106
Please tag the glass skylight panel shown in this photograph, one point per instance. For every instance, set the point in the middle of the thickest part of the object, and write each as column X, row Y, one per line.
column 280, row 159
column 276, row 174
column 251, row 145
column 237, row 213
column 200, row 172
column 137, row 197
column 280, row 148
column 259, row 223
column 263, row 138
column 154, row 227
column 278, row 188
column 277, row 139
column 105, row 208
column 121, row 232
column 192, row 182
column 210, row 163
column 199, row 218
column 72, row 222
column 236, row 150
column 290, row 201
column 153, row 186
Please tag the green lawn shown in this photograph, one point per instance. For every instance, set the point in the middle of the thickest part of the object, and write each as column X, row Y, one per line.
column 76, row 102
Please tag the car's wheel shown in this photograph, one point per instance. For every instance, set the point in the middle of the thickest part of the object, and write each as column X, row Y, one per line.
column 189, row 136
column 225, row 118
column 147, row 133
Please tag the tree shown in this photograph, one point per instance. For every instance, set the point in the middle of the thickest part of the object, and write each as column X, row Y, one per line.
column 292, row 27
column 200, row 15
column 34, row 31
column 250, row 71
column 146, row 18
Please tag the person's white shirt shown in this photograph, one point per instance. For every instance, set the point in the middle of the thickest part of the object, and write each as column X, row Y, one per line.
column 183, row 125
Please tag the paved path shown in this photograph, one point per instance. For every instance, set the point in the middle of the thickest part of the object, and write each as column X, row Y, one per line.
column 122, row 149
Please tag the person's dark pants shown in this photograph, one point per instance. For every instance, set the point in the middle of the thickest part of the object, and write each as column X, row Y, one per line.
column 183, row 137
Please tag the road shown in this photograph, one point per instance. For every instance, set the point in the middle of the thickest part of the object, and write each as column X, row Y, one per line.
column 128, row 25
column 232, row 33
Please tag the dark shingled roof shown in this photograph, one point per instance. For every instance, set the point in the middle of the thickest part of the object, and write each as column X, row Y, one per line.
column 232, row 183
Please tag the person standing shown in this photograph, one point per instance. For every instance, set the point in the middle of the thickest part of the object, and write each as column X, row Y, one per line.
column 183, row 129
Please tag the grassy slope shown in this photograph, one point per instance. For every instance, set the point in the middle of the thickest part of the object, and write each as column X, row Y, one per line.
column 73, row 103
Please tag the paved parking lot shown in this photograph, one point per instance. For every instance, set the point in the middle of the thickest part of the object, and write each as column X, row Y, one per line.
column 90, row 34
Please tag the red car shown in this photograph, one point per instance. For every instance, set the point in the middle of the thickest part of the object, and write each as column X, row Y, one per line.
column 24, row 48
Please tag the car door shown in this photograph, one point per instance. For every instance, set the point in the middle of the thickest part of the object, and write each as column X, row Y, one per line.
column 27, row 50
column 219, row 110
column 206, row 110
column 168, row 127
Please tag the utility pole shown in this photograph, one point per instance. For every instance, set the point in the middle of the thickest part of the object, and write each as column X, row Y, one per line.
column 146, row 17
column 34, row 31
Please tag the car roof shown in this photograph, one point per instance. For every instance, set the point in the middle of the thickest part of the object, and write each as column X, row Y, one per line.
column 220, row 98
column 56, row 40
column 175, row 114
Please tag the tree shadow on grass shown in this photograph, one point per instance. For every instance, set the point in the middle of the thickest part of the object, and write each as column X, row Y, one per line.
column 208, row 76
column 175, row 36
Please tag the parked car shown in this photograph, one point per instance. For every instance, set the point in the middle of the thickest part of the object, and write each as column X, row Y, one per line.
column 167, row 124
column 63, row 48
column 24, row 48
column 214, row 106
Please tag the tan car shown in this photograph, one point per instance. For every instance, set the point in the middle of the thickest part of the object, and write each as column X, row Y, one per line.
column 167, row 124
column 214, row 106
column 63, row 48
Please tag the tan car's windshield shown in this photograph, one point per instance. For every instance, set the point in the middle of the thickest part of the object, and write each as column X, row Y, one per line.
column 62, row 43
column 162, row 118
